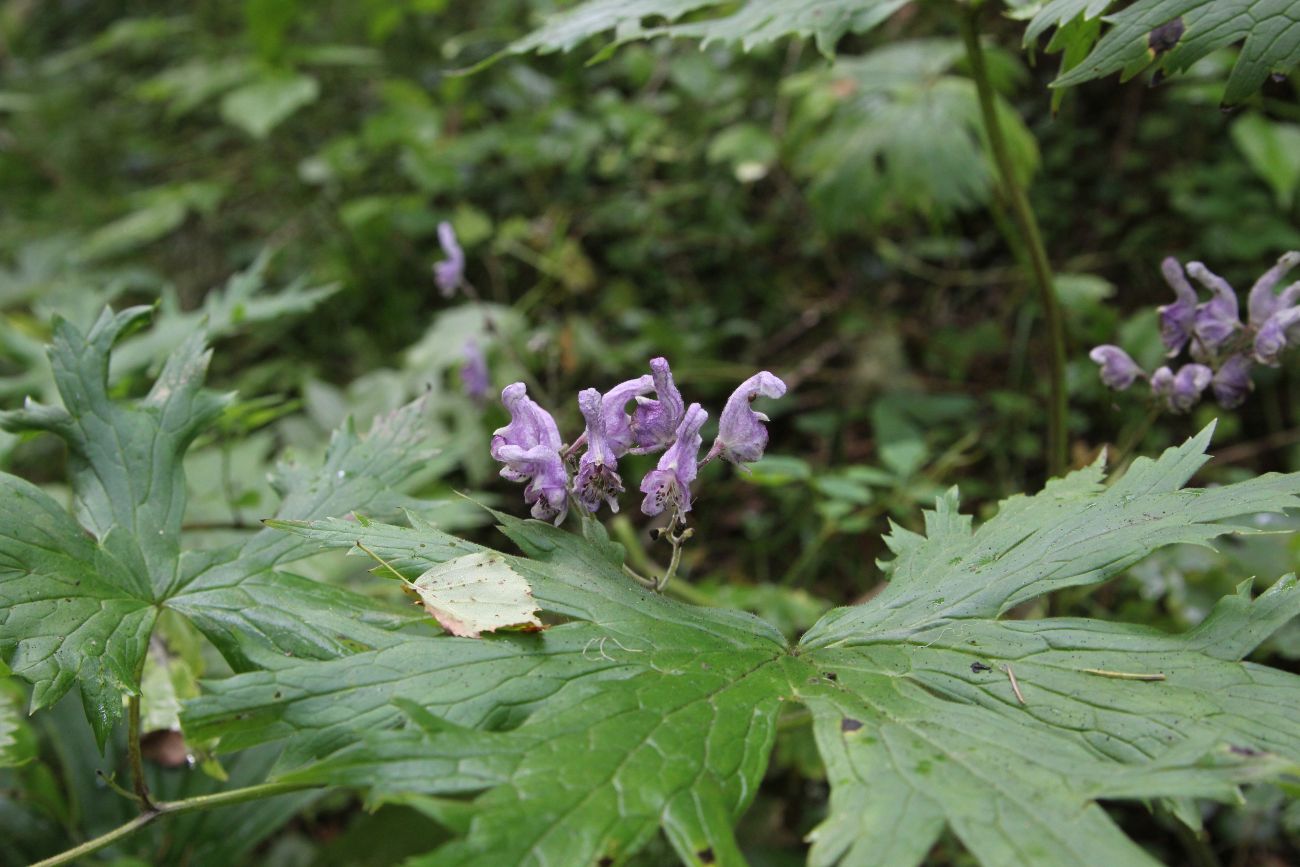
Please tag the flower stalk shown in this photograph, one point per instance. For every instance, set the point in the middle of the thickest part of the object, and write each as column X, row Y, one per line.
column 1040, row 268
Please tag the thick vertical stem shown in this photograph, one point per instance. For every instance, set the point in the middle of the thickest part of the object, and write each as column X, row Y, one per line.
column 138, row 784
column 1039, row 267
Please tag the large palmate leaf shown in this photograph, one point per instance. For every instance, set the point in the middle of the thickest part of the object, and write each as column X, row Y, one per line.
column 1180, row 32
column 636, row 712
column 751, row 23
column 79, row 597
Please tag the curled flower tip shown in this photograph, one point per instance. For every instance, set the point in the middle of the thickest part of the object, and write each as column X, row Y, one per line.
column 529, row 447
column 618, row 424
column 741, row 434
column 1177, row 319
column 669, row 483
column 1118, row 370
column 1274, row 336
column 474, row 372
column 1181, row 390
column 1262, row 302
column 450, row 272
column 598, row 478
column 655, row 422
column 1216, row 319
column 1231, row 381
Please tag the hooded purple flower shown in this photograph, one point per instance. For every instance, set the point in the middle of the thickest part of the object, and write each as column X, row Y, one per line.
column 655, row 422
column 530, row 449
column 1231, row 381
column 1177, row 319
column 474, row 372
column 618, row 424
column 598, row 477
column 1216, row 319
column 1118, row 370
column 1181, row 390
column 669, row 484
column 1272, row 337
column 450, row 272
column 741, row 435
column 1262, row 303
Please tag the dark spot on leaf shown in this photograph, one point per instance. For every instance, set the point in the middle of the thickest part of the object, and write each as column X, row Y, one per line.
column 1165, row 37
column 831, row 676
column 605, row 861
column 977, row 667
column 707, row 856
column 849, row 724
column 278, row 694
column 1245, row 751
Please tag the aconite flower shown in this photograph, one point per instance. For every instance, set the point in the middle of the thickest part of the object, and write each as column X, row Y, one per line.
column 529, row 446
column 742, row 436
column 668, row 485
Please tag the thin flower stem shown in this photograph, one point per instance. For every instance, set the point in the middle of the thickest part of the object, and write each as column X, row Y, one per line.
column 138, row 783
column 164, row 808
column 1023, row 215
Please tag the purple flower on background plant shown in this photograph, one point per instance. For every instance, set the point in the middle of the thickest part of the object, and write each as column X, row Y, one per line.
column 655, row 422
column 1181, row 390
column 598, row 477
column 1231, row 381
column 1262, row 302
column 1216, row 319
column 474, row 372
column 529, row 446
column 1272, row 336
column 1177, row 319
column 669, row 483
column 450, row 272
column 618, row 424
column 1118, row 370
column 741, row 434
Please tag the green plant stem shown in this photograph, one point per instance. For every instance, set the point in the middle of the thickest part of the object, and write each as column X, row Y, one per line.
column 138, row 784
column 1023, row 215
column 165, row 808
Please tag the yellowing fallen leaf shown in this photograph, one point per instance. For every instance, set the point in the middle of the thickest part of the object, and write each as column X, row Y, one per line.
column 476, row 593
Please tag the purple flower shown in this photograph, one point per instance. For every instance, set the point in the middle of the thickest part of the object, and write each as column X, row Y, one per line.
column 598, row 477
column 1182, row 390
column 1262, row 302
column 530, row 449
column 655, row 422
column 1118, row 370
column 618, row 424
column 741, row 435
column 1177, row 319
column 1216, row 319
column 474, row 372
column 1231, row 381
column 1272, row 336
column 450, row 272
column 669, row 483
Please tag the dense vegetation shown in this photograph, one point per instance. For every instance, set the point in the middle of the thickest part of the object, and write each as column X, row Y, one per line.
column 921, row 216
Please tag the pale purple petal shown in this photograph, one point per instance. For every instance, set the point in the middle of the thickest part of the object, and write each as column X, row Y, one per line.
column 655, row 422
column 474, row 374
column 1273, row 338
column 450, row 272
column 1181, row 390
column 1231, row 381
column 1177, row 319
column 618, row 424
column 741, row 434
column 1118, row 370
column 1262, row 302
column 1216, row 319
column 529, row 447
column 598, row 478
column 669, row 483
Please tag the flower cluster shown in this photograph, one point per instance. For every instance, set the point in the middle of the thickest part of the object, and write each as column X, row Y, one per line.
column 1222, row 347
column 659, row 421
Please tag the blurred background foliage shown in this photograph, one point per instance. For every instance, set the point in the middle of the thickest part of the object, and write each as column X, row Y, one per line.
column 278, row 168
